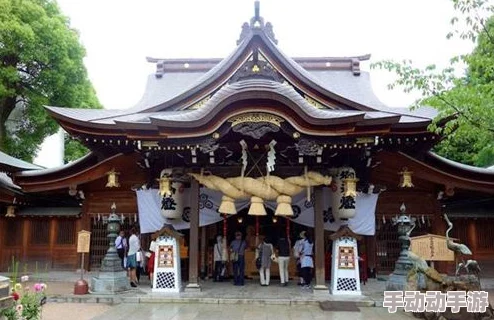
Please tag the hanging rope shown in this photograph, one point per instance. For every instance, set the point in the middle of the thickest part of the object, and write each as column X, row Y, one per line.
column 267, row 188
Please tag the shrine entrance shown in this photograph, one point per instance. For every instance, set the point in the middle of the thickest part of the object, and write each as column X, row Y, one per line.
column 270, row 225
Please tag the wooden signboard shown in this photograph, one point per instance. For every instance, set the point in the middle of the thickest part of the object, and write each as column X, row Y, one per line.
column 432, row 247
column 346, row 258
column 165, row 256
column 83, row 241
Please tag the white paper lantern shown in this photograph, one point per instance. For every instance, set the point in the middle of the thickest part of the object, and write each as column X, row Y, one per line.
column 172, row 207
column 343, row 206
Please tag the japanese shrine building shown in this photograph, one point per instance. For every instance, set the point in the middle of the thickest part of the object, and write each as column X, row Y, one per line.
column 321, row 114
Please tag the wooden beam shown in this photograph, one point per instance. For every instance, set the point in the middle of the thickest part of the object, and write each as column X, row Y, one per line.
column 319, row 241
column 194, row 238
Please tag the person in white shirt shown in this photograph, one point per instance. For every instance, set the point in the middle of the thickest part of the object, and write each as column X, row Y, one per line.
column 121, row 246
column 134, row 247
column 219, row 259
column 306, row 261
column 297, row 248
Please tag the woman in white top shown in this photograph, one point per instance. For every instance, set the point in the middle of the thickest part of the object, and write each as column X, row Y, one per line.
column 306, row 260
column 219, row 259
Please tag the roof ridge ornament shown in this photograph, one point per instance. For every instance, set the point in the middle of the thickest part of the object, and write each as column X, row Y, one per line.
column 257, row 23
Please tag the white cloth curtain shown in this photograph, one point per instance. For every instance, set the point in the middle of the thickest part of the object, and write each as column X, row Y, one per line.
column 364, row 222
column 149, row 207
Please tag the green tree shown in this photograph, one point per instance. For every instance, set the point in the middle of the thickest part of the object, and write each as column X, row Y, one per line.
column 465, row 103
column 41, row 63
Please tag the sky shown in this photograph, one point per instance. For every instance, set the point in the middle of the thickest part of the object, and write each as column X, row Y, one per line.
column 119, row 35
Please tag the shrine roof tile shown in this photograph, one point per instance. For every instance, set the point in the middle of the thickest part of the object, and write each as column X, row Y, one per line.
column 11, row 164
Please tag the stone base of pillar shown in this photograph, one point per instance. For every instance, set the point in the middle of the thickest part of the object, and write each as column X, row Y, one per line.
column 110, row 283
column 321, row 291
column 193, row 287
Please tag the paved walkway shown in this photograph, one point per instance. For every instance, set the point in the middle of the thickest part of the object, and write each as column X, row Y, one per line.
column 61, row 287
column 207, row 311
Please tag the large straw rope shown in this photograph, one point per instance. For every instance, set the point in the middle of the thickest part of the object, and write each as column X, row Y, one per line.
column 267, row 188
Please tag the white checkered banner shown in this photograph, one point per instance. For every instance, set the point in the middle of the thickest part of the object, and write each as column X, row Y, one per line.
column 150, row 219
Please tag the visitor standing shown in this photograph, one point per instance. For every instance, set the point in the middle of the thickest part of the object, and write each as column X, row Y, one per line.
column 219, row 260
column 237, row 256
column 265, row 251
column 306, row 261
column 150, row 265
column 121, row 246
column 134, row 247
column 297, row 248
column 283, row 259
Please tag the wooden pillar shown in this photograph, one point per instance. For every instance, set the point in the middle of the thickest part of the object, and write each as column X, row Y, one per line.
column 472, row 237
column 194, row 238
column 52, row 239
column 319, row 241
column 203, row 253
column 25, row 238
column 3, row 232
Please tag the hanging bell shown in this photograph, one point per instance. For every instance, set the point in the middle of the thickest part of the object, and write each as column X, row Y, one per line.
column 406, row 178
column 10, row 212
column 350, row 187
column 113, row 179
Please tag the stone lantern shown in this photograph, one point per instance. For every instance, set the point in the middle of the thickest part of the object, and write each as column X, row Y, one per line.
column 398, row 279
column 112, row 278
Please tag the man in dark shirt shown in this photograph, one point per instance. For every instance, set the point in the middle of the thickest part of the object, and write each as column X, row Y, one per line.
column 283, row 259
column 237, row 256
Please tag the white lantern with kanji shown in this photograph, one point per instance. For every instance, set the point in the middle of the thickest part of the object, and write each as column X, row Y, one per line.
column 173, row 204
column 343, row 196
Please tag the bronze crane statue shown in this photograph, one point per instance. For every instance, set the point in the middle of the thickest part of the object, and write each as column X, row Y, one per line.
column 471, row 267
column 456, row 247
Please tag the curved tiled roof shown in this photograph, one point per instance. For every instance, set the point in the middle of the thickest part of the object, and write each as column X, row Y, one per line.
column 460, row 166
column 172, row 90
column 11, row 164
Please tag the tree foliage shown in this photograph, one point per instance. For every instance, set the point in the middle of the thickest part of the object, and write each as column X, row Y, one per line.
column 465, row 103
column 41, row 63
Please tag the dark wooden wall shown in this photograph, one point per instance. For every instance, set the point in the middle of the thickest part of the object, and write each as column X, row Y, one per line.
column 41, row 243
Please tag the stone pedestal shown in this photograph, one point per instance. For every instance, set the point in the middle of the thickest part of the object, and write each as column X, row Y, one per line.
column 110, row 283
column 167, row 271
column 398, row 279
column 320, row 291
column 111, row 278
column 193, row 287
column 345, row 279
